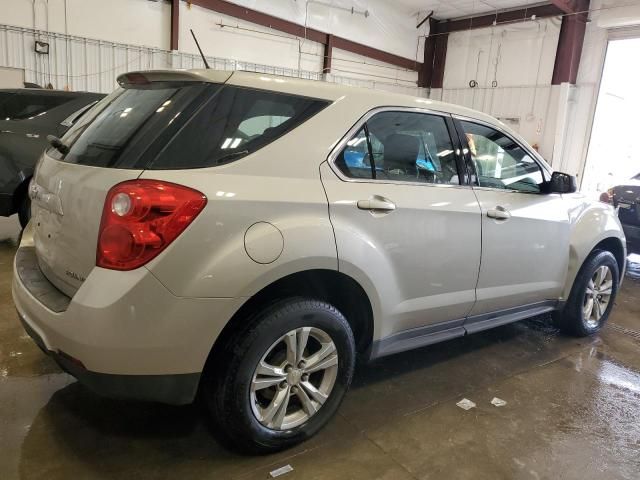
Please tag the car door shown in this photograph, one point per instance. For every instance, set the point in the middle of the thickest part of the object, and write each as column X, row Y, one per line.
column 405, row 227
column 525, row 232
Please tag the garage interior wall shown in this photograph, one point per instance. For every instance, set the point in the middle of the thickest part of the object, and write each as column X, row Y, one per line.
column 512, row 65
column 113, row 39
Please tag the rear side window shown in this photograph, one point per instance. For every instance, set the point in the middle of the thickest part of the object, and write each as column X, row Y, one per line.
column 21, row 106
column 234, row 123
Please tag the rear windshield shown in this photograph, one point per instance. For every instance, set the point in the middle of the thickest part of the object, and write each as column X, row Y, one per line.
column 183, row 126
column 106, row 138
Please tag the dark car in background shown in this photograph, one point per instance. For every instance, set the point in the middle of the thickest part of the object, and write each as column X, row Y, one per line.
column 626, row 197
column 27, row 116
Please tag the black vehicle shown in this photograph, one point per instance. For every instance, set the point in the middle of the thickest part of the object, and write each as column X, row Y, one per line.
column 26, row 118
column 627, row 198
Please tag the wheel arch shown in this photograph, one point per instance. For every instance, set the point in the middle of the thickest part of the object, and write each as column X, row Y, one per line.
column 332, row 286
column 610, row 243
column 616, row 247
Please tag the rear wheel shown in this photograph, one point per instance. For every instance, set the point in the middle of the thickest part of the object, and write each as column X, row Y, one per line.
column 281, row 379
column 592, row 295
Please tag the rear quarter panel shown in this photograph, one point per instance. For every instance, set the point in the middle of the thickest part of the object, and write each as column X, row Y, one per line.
column 210, row 259
column 279, row 184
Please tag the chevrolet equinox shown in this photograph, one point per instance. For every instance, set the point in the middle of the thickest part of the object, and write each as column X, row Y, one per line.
column 246, row 236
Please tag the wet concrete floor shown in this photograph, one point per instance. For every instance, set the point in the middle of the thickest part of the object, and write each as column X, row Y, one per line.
column 572, row 412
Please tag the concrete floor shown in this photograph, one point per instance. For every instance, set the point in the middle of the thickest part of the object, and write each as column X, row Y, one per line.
column 572, row 413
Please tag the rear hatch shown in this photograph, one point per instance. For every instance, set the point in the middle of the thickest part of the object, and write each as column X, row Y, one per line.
column 112, row 143
column 155, row 121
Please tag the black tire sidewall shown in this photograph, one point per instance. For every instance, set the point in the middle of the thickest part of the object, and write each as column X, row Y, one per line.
column 280, row 319
column 575, row 312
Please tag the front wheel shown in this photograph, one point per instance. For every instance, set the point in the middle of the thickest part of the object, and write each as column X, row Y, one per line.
column 592, row 296
column 283, row 377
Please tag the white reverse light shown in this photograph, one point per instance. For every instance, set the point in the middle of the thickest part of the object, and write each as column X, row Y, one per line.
column 121, row 204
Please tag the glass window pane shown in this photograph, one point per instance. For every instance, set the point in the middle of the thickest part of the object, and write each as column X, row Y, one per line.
column 233, row 124
column 500, row 162
column 354, row 161
column 103, row 141
column 412, row 147
column 28, row 106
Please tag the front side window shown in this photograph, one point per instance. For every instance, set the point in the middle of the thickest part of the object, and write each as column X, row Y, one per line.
column 500, row 162
column 402, row 146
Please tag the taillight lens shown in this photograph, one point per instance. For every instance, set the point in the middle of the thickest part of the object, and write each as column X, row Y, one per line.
column 141, row 218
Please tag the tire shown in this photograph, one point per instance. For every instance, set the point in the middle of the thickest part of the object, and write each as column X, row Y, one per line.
column 573, row 318
column 24, row 210
column 227, row 389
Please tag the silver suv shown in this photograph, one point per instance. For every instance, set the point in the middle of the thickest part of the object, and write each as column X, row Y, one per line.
column 246, row 236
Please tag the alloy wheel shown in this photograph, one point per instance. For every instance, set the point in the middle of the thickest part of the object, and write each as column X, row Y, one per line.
column 294, row 378
column 597, row 296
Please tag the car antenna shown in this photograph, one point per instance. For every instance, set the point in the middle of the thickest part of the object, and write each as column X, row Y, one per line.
column 206, row 65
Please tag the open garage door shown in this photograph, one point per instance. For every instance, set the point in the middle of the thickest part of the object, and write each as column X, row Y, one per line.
column 614, row 153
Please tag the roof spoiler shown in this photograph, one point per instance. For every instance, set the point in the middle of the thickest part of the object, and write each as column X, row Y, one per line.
column 146, row 78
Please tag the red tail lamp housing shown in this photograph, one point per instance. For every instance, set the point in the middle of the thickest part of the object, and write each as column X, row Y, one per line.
column 141, row 218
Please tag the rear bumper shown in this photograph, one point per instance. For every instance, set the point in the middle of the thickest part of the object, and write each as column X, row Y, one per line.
column 123, row 333
column 172, row 389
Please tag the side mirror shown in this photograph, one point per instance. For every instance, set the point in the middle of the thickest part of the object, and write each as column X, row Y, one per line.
column 562, row 183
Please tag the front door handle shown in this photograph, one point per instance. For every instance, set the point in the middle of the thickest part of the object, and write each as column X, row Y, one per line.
column 377, row 203
column 499, row 213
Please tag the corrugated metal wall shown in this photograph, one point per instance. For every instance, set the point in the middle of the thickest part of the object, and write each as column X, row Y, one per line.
column 502, row 101
column 78, row 63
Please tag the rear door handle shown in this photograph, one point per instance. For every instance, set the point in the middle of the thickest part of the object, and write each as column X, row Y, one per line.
column 499, row 213
column 377, row 203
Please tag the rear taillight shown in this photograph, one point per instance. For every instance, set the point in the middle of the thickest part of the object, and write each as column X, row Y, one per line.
column 140, row 218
